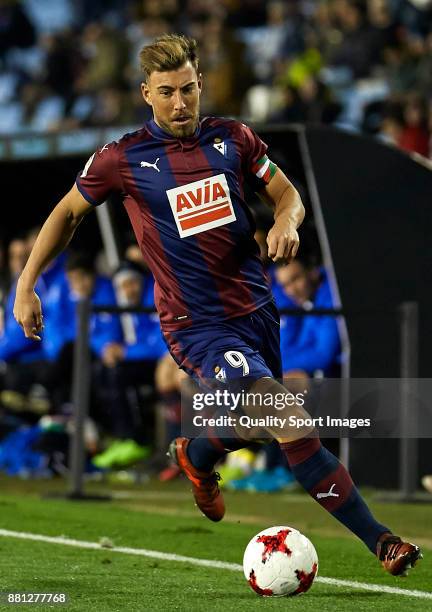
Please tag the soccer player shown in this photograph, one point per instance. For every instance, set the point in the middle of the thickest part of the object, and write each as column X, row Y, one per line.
column 183, row 180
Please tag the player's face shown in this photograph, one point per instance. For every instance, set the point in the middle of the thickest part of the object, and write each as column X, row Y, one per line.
column 174, row 96
column 297, row 281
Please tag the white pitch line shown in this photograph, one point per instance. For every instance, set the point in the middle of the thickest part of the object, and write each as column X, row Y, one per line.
column 235, row 567
column 377, row 588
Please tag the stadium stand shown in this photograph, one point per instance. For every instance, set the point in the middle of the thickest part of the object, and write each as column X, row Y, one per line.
column 361, row 64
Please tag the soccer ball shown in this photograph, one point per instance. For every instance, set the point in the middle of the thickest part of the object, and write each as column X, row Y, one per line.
column 280, row 561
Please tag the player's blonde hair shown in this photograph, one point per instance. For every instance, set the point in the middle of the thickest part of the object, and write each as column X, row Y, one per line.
column 168, row 52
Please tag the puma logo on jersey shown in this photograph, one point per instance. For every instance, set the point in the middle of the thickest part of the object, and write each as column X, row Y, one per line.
column 329, row 494
column 145, row 164
column 201, row 205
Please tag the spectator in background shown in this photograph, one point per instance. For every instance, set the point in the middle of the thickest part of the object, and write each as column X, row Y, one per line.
column 4, row 280
column 133, row 254
column 405, row 124
column 424, row 68
column 110, row 107
column 311, row 102
column 391, row 124
column 19, row 357
column 360, row 46
column 245, row 13
column 314, row 348
column 24, row 363
column 279, row 37
column 63, row 64
column 415, row 136
column 130, row 363
column 79, row 282
column 218, row 49
column 310, row 346
column 148, row 21
column 319, row 105
column 400, row 65
column 89, row 11
column 16, row 30
column 381, row 18
column 290, row 109
column 17, row 256
column 105, row 54
column 100, row 72
column 169, row 379
column 41, row 111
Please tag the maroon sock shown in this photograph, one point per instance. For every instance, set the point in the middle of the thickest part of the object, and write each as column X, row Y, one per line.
column 329, row 483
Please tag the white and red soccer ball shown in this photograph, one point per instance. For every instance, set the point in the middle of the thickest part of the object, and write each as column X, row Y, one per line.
column 280, row 561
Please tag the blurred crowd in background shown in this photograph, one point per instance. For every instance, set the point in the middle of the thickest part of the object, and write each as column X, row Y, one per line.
column 364, row 65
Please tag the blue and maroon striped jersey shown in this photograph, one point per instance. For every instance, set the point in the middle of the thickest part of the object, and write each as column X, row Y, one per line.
column 185, row 200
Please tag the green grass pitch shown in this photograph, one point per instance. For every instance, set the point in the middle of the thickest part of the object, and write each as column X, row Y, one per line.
column 163, row 518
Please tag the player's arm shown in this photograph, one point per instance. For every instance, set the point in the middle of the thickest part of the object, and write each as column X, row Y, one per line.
column 283, row 197
column 53, row 238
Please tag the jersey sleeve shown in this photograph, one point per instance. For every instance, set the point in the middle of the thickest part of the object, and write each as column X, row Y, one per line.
column 100, row 176
column 257, row 167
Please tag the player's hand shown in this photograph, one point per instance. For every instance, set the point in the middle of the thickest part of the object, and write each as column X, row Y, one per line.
column 283, row 243
column 28, row 312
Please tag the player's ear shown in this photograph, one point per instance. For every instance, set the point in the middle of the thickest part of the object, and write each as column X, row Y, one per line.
column 145, row 91
column 199, row 82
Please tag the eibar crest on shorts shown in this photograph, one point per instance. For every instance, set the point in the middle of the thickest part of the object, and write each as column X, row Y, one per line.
column 221, row 375
column 201, row 205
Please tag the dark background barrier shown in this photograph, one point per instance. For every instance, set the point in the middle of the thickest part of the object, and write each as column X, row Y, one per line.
column 30, row 190
column 377, row 209
column 377, row 205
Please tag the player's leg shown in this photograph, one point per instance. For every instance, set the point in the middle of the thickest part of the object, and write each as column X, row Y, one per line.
column 323, row 476
column 328, row 482
column 212, row 354
column 242, row 350
column 316, row 469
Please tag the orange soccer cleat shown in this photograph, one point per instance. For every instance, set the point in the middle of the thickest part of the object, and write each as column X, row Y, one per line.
column 205, row 486
column 396, row 556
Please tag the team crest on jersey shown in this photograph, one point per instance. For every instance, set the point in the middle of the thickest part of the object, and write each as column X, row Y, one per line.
column 201, row 205
column 220, row 146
